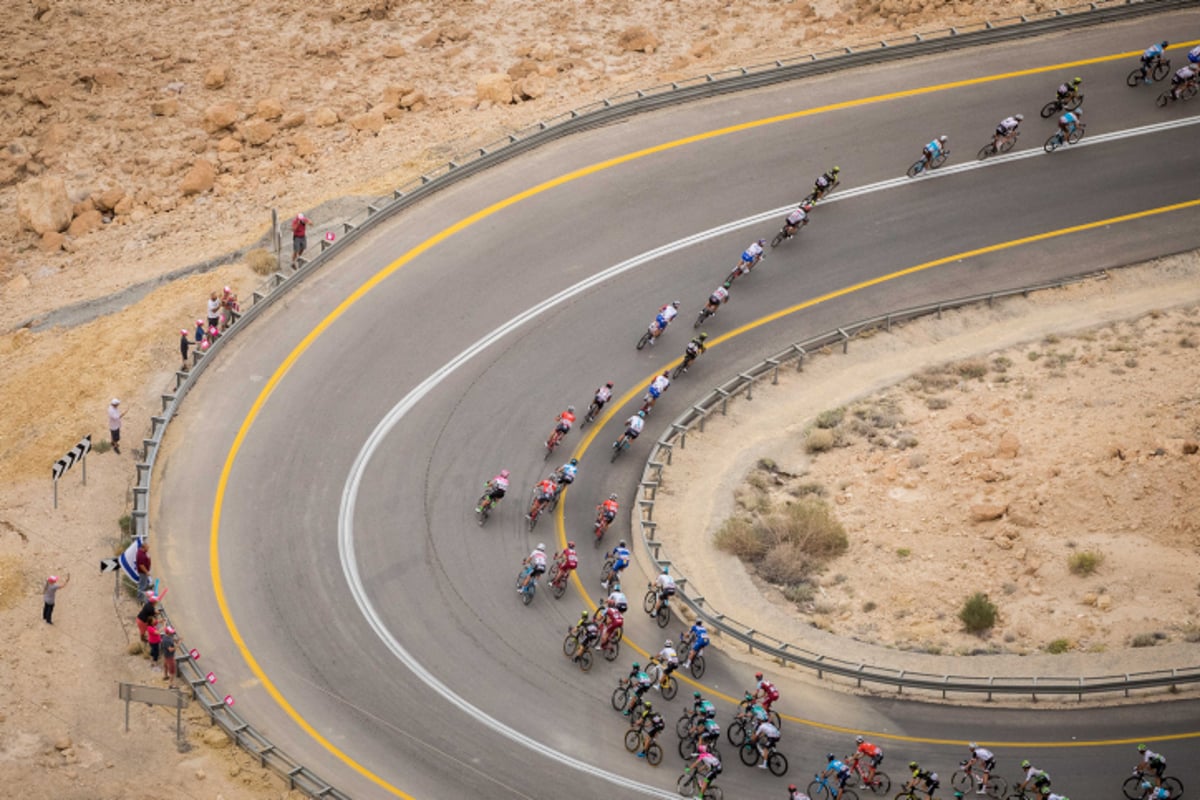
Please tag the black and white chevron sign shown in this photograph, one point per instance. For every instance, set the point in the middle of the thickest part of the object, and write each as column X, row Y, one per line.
column 77, row 452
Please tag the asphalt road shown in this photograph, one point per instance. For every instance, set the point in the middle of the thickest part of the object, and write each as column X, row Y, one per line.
column 442, row 589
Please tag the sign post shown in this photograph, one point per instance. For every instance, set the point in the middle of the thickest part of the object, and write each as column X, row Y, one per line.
column 78, row 453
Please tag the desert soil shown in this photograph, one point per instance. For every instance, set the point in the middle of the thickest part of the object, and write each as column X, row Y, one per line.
column 136, row 152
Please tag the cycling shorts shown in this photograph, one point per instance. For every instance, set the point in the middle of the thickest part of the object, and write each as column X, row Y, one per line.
column 699, row 645
column 537, row 569
column 546, row 497
column 747, row 258
column 619, row 565
column 654, row 392
column 631, row 433
column 562, row 427
column 668, row 591
column 495, row 493
column 877, row 759
column 609, row 516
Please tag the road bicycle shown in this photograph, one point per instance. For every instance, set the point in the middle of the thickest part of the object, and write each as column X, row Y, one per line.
column 819, row 194
column 787, row 232
column 634, row 742
column 1132, row 787
column 1160, row 69
column 743, row 268
column 965, row 781
column 601, row 526
column 704, row 314
column 919, row 165
column 623, row 695
column 592, row 412
column 652, row 333
column 663, row 615
column 697, row 659
column 820, row 787
column 688, row 358
column 744, row 711
column 1057, row 105
column 879, row 783
column 529, row 589
column 1186, row 92
column 620, row 446
column 688, row 745
column 558, row 580
column 777, row 762
column 919, row 794
column 571, row 649
column 1056, row 140
column 483, row 508
column 1006, row 144
column 689, row 783
column 536, row 507
column 555, row 439
column 668, row 685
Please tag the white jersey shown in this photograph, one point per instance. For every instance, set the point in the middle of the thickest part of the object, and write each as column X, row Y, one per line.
column 618, row 599
column 797, row 216
column 665, row 581
column 768, row 730
column 1009, row 124
column 635, row 423
column 720, row 294
column 668, row 656
column 603, row 394
column 753, row 251
column 983, row 754
column 1185, row 74
column 669, row 312
column 538, row 558
column 661, row 383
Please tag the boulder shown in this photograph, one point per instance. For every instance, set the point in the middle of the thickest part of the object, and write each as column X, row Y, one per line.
column 166, row 107
column 412, row 99
column 108, row 199
column 325, row 116
column 393, row 93
column 257, row 132
column 395, row 50
column 531, row 87
column 522, row 68
column 986, row 512
column 269, row 109
column 228, row 144
column 637, row 39
column 220, row 116
column 370, row 121
column 43, row 205
column 292, row 119
column 1009, row 446
column 124, row 206
column 85, row 223
column 495, row 87
column 51, row 241
column 216, row 76
column 199, row 178
column 542, row 51
column 1190, row 448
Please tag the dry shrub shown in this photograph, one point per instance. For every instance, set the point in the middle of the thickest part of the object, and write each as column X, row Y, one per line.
column 819, row 441
column 737, row 536
column 973, row 369
column 261, row 261
column 830, row 418
column 784, row 563
column 786, row 542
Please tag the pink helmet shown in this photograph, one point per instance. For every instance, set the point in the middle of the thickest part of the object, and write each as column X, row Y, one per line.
column 702, row 749
column 503, row 473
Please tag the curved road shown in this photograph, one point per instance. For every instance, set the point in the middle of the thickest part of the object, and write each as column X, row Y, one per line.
column 279, row 605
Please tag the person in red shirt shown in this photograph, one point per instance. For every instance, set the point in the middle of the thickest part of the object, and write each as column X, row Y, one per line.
column 873, row 754
column 567, row 561
column 299, row 236
column 610, row 623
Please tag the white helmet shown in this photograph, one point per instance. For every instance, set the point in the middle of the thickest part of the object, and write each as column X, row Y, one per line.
column 942, row 138
column 1019, row 117
column 668, row 643
column 541, row 547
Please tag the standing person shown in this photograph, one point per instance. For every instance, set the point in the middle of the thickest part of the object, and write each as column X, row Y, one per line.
column 145, row 617
column 48, row 591
column 154, row 637
column 214, row 310
column 114, row 424
column 299, row 236
column 229, row 305
column 185, row 343
column 199, row 332
column 168, row 657
column 142, row 564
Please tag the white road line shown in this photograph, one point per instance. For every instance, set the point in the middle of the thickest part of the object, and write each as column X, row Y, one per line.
column 358, row 469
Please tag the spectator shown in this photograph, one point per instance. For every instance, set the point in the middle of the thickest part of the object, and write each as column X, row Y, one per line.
column 229, row 305
column 299, row 236
column 199, row 332
column 142, row 563
column 114, row 424
column 154, row 637
column 48, row 591
column 213, row 335
column 214, row 310
column 145, row 617
column 184, row 344
column 168, row 657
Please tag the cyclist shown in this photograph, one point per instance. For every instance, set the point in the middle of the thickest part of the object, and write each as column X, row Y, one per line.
column 706, row 730
column 796, row 794
column 711, row 769
column 606, row 512
column 872, row 752
column 1182, row 77
column 610, row 622
column 663, row 318
column 1006, row 130
column 639, row 683
column 669, row 660
column 796, row 220
column 933, row 150
column 603, row 395
column 617, row 599
column 718, row 298
column 634, row 425
column 751, row 256
column 1149, row 792
column 980, row 757
column 564, row 476
column 586, row 634
column 567, row 561
column 694, row 348
column 698, row 636
column 543, row 495
column 657, row 387
column 664, row 586
column 536, row 561
column 765, row 739
column 1037, row 778
column 1067, row 123
column 834, row 769
column 620, row 556
column 1068, row 91
column 824, row 183
column 1152, row 762
column 1151, row 58
column 493, row 490
column 562, row 426
column 1194, row 55
column 765, row 692
column 930, row 779
column 652, row 724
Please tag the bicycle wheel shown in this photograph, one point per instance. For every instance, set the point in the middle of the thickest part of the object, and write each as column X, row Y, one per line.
column 687, row 746
column 617, row 636
column 560, row 588
column 846, row 794
column 939, row 159
column 1051, row 108
column 736, row 734
column 585, row 660
column 654, row 754
column 1008, row 144
column 1132, row 787
column 749, row 754
column 818, row 788
column 703, row 315
column 1133, row 79
column 649, row 600
column 645, row 340
column 916, row 169
column 1189, row 91
column 633, row 740
column 985, row 151
column 620, row 698
column 1074, row 136
column 714, row 793
column 773, row 717
column 881, row 783
column 606, row 568
column 777, row 763
column 617, row 447
column 1174, row 786
column 570, row 645
column 779, row 237
column 697, row 668
column 686, row 784
column 671, row 688
column 1161, row 69
column 530, row 591
column 683, row 726
column 997, row 786
column 1164, row 98
column 664, row 616
column 1053, row 143
column 960, row 781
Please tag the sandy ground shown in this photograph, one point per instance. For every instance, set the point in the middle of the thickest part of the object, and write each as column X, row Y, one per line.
column 1008, row 439
column 293, row 106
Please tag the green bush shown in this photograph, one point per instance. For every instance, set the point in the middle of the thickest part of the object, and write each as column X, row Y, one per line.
column 830, row 418
column 1086, row 562
column 1058, row 647
column 978, row 613
column 802, row 592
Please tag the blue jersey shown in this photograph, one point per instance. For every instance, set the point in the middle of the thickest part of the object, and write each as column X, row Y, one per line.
column 933, row 148
column 1069, row 118
column 621, row 557
column 568, row 471
column 837, row 766
column 699, row 636
column 1152, row 52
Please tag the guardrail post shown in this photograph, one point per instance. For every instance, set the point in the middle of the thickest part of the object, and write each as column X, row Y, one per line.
column 1127, row 684
column 900, row 683
column 749, row 379
column 1033, row 694
column 724, row 400
column 800, row 354
column 157, row 423
column 703, row 414
column 682, row 430
column 991, row 683
column 845, row 341
column 668, row 447
column 945, row 681
column 774, row 362
column 167, row 399
column 180, row 377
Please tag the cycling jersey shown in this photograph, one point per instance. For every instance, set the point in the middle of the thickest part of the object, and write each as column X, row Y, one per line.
column 836, row 767
column 719, row 295
column 621, row 557
column 982, row 754
column 666, row 584
column 497, row 486
column 603, row 395
column 633, row 426
column 567, row 473
column 753, row 253
column 768, row 689
column 933, row 148
column 1036, row 775
column 695, row 348
column 1065, row 89
column 796, row 217
column 537, row 561
column 870, row 750
column 618, row 601
column 1007, row 125
column 1068, row 119
column 657, row 723
column 659, row 385
column 668, row 312
column 569, row 559
column 609, row 508
column 547, row 489
column 613, row 619
column 1152, row 53
column 699, row 637
column 769, row 731
column 668, row 656
column 641, row 682
column 1183, row 75
column 1157, row 793
column 759, row 713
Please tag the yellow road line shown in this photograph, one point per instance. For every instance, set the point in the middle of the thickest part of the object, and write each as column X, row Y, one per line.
column 777, row 315
column 443, row 235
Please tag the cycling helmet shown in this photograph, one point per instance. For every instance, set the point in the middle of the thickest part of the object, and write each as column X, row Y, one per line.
column 806, row 207
column 727, row 285
column 836, row 170
column 942, row 138
column 1025, row 764
column 621, row 543
column 642, row 414
column 571, row 409
column 541, row 547
column 758, row 676
column 675, row 303
column 503, row 473
column 574, row 462
column 1078, row 112
column 830, row 757
column 1076, row 81
column 636, row 665
column 616, row 586
column 1165, row 44
column 958, row 796
column 609, row 384
column 913, row 765
column 696, row 695
column 668, row 643
column 761, row 242
column 972, row 745
column 571, row 545
column 859, row 739
column 1141, row 748
column 666, row 570
column 1019, row 117
column 704, row 336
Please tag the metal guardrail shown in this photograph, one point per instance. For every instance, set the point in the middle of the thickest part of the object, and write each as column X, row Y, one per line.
column 717, row 400
column 518, row 142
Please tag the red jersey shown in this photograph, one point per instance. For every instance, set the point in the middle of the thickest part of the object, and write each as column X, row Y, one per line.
column 566, row 417
column 613, row 619
column 869, row 750
column 610, row 507
column 569, row 559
